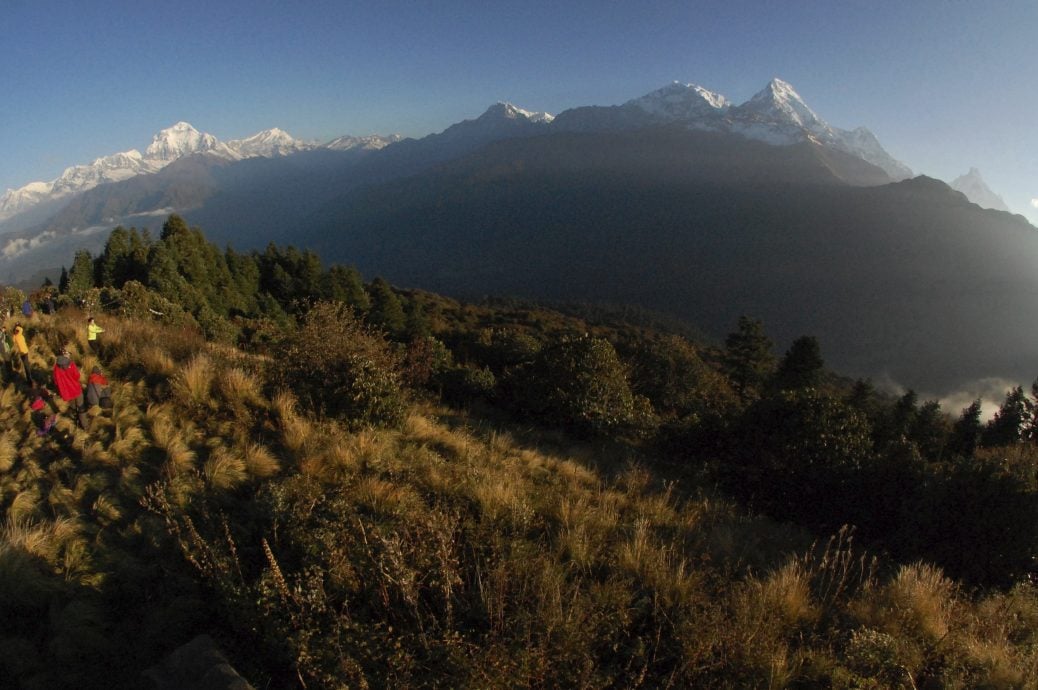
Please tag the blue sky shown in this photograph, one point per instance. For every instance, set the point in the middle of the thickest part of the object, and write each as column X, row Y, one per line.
column 944, row 85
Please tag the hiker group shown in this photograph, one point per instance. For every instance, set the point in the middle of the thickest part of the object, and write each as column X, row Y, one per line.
column 66, row 378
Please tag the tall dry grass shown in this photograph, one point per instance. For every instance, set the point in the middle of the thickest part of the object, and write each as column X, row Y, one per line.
column 170, row 438
column 225, row 469
column 193, row 384
column 295, row 430
column 239, row 387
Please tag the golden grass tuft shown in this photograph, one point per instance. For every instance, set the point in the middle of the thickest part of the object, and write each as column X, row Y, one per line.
column 127, row 441
column 193, row 384
column 8, row 451
column 41, row 539
column 919, row 601
column 25, row 506
column 502, row 498
column 237, row 386
column 259, row 461
column 996, row 661
column 61, row 499
column 106, row 507
column 224, row 469
column 418, row 427
column 343, row 455
column 169, row 438
column 295, row 431
column 9, row 397
column 786, row 593
column 97, row 455
column 156, row 361
column 386, row 497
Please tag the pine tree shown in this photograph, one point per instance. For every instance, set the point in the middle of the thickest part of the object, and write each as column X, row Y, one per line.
column 386, row 310
column 81, row 277
column 747, row 358
column 112, row 264
column 344, row 284
column 1008, row 424
column 802, row 365
column 966, row 432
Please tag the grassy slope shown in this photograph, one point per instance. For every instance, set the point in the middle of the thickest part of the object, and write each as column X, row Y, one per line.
column 447, row 553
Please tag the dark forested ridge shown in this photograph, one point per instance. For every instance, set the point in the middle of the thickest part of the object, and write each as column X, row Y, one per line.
column 907, row 281
column 346, row 484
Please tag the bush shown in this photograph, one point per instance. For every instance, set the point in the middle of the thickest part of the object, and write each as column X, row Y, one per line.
column 672, row 375
column 343, row 369
column 465, row 384
column 798, row 453
column 578, row 383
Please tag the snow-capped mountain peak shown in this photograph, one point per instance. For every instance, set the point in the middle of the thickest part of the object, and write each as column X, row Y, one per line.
column 268, row 143
column 508, row 111
column 113, row 168
column 977, row 191
column 182, row 140
column 678, row 101
column 779, row 102
column 371, row 142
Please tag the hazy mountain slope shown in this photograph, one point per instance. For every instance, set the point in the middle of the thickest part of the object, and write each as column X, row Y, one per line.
column 977, row 190
column 906, row 280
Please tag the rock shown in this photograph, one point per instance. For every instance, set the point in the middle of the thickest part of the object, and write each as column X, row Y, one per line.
column 197, row 665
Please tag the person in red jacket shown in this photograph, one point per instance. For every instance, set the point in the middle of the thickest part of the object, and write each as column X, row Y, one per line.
column 97, row 392
column 66, row 379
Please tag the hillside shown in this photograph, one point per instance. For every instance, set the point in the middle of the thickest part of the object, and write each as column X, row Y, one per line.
column 393, row 489
column 906, row 282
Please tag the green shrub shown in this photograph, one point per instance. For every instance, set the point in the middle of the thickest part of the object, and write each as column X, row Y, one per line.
column 342, row 369
column 466, row 384
column 578, row 383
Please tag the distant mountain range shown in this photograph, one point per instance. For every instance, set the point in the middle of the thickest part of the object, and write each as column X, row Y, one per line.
column 678, row 201
column 170, row 144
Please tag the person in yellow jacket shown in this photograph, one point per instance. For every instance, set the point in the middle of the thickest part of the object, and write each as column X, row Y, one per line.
column 92, row 330
column 21, row 349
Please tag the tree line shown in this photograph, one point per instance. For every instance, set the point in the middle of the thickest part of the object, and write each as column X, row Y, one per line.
column 783, row 434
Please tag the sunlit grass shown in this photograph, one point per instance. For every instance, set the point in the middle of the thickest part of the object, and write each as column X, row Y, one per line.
column 259, row 461
column 224, row 469
column 193, row 384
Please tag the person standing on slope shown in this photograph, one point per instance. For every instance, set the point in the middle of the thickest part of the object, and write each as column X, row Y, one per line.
column 21, row 349
column 92, row 330
column 66, row 379
column 98, row 393
column 6, row 354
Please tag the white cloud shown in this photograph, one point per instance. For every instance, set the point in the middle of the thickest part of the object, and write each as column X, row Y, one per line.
column 1034, row 202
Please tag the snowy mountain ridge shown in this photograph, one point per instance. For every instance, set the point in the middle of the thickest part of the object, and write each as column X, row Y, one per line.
column 267, row 144
column 168, row 145
column 776, row 115
column 372, row 142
